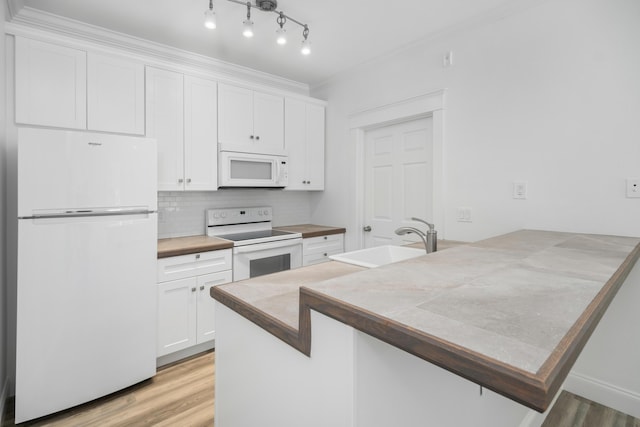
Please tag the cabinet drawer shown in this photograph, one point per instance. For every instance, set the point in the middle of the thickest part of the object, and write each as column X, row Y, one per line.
column 333, row 243
column 318, row 249
column 191, row 265
column 317, row 258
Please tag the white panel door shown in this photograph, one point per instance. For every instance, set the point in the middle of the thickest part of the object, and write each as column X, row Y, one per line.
column 200, row 134
column 268, row 121
column 115, row 94
column 165, row 123
column 398, row 180
column 206, row 323
column 177, row 308
column 235, row 116
column 51, row 85
column 315, row 147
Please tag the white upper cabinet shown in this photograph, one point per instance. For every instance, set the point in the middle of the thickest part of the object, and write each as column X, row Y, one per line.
column 250, row 121
column 115, row 91
column 165, row 123
column 181, row 116
column 200, row 130
column 64, row 87
column 305, row 141
column 51, row 83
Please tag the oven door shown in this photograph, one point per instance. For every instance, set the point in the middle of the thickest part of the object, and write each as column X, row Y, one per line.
column 265, row 258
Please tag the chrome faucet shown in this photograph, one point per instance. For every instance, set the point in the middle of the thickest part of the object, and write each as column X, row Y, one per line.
column 430, row 238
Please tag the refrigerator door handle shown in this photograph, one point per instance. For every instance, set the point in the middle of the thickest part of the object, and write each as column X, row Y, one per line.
column 75, row 213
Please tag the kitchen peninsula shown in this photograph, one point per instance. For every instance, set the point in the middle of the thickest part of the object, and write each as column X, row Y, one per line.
column 409, row 343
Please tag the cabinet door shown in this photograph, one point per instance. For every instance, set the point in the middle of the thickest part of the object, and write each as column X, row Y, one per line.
column 200, row 134
column 51, row 85
column 268, row 122
column 235, row 116
column 206, row 305
column 176, row 315
column 165, row 123
column 115, row 94
column 295, row 143
column 315, row 147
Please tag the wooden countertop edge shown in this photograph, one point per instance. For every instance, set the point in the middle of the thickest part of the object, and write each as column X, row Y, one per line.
column 269, row 323
column 166, row 253
column 323, row 230
column 320, row 233
column 557, row 366
column 535, row 391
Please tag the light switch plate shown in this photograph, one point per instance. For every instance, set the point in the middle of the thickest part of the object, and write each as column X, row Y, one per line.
column 519, row 190
column 633, row 188
column 464, row 215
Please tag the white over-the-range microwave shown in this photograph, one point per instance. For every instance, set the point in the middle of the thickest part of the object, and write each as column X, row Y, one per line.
column 252, row 170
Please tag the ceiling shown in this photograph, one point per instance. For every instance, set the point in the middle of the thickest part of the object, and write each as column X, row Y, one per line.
column 343, row 33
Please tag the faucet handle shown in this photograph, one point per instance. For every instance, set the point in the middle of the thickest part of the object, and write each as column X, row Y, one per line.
column 431, row 226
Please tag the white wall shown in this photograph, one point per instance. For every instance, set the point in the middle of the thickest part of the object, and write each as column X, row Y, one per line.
column 549, row 95
column 3, row 248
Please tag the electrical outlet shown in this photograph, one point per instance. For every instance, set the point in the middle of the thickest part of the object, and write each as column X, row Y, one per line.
column 633, row 187
column 464, row 214
column 447, row 59
column 519, row 190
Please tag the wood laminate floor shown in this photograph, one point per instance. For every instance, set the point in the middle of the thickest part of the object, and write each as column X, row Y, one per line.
column 575, row 411
column 182, row 394
column 179, row 395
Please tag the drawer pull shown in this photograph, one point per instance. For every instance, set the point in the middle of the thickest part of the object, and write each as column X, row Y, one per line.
column 325, row 254
column 193, row 289
column 202, row 288
column 325, row 237
column 197, row 256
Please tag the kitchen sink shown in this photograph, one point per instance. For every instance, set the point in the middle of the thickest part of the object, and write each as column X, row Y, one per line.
column 377, row 256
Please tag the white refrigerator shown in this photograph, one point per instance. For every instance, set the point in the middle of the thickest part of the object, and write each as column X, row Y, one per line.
column 87, row 244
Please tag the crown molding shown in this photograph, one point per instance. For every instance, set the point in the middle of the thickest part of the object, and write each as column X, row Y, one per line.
column 27, row 21
column 14, row 7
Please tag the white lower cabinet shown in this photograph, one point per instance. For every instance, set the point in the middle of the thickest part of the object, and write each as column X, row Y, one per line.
column 185, row 308
column 318, row 249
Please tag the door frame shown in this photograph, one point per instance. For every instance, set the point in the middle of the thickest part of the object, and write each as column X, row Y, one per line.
column 422, row 106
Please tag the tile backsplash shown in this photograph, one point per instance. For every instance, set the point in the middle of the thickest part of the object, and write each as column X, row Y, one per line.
column 182, row 213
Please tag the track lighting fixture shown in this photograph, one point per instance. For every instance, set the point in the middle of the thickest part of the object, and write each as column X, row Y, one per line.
column 210, row 17
column 264, row 6
column 248, row 23
column 281, row 33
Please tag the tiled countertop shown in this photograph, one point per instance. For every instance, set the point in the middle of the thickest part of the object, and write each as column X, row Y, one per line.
column 510, row 313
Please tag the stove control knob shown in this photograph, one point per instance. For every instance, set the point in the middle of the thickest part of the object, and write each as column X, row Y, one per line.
column 259, row 212
column 266, row 211
column 216, row 215
column 223, row 214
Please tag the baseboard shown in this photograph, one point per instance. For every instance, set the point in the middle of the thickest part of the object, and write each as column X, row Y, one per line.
column 615, row 397
column 3, row 400
column 183, row 354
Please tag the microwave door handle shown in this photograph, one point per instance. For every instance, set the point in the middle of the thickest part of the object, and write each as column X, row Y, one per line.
column 277, row 177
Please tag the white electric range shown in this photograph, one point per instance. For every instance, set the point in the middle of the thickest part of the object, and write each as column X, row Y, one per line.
column 258, row 248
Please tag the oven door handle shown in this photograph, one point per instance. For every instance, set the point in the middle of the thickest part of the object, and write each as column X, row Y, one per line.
column 266, row 246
